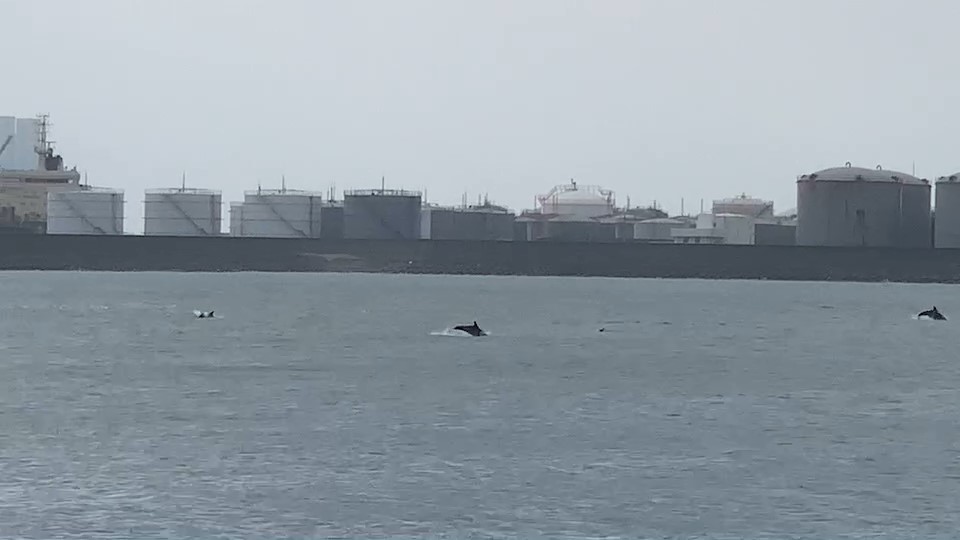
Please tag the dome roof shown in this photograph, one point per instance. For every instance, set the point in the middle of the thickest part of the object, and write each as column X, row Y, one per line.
column 669, row 221
column 742, row 200
column 579, row 196
column 855, row 174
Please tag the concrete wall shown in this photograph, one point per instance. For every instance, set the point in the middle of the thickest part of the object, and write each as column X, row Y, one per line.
column 138, row 253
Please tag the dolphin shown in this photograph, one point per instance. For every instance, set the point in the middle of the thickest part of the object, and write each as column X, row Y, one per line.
column 472, row 329
column 204, row 314
column 933, row 314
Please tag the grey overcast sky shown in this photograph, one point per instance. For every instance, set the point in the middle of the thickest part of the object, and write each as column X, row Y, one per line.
column 657, row 100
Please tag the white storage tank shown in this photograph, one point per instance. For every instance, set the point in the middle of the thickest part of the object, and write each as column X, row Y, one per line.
column 744, row 206
column 281, row 213
column 737, row 229
column 236, row 219
column 88, row 211
column 580, row 202
column 182, row 212
column 658, row 229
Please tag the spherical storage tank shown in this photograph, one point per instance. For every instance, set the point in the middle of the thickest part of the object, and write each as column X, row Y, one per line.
column 88, row 211
column 280, row 214
column 853, row 206
column 182, row 212
column 381, row 214
column 576, row 201
column 947, row 227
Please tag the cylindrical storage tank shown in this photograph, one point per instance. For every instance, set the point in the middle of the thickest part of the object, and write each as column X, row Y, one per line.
column 946, row 232
column 737, row 229
column 439, row 223
column 236, row 219
column 658, row 229
column 853, row 206
column 282, row 214
column 182, row 212
column 744, row 206
column 381, row 214
column 87, row 211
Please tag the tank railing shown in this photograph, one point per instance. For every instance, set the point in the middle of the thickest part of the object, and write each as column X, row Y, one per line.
column 492, row 209
column 174, row 191
column 287, row 192
column 384, row 192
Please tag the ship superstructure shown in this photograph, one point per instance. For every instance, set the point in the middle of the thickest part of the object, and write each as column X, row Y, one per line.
column 23, row 192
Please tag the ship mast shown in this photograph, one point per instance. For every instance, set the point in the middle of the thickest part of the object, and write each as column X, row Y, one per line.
column 43, row 148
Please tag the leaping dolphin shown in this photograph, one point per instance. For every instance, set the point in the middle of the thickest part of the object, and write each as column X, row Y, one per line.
column 472, row 329
column 933, row 314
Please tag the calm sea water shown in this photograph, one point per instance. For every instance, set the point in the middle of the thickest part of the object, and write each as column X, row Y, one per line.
column 334, row 406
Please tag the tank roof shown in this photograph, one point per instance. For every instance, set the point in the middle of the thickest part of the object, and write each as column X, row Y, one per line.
column 577, row 194
column 283, row 192
column 669, row 221
column 849, row 173
column 742, row 199
column 381, row 192
column 949, row 179
column 580, row 197
column 182, row 191
column 91, row 189
column 478, row 209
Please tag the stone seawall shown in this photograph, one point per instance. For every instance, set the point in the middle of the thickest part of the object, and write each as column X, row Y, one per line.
column 230, row 254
